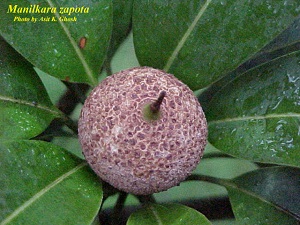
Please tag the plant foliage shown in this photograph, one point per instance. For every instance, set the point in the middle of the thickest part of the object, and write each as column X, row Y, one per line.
column 243, row 57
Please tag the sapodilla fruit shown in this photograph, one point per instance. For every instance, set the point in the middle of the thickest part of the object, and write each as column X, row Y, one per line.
column 142, row 130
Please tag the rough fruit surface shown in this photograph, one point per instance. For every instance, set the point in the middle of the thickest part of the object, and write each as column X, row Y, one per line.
column 132, row 153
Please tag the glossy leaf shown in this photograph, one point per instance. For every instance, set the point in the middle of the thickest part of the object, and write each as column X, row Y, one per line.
column 200, row 41
column 167, row 214
column 267, row 196
column 26, row 109
column 72, row 51
column 257, row 116
column 43, row 184
column 289, row 37
column 286, row 43
column 122, row 13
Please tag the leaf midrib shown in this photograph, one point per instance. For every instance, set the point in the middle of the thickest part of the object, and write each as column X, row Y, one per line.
column 186, row 36
column 82, row 59
column 232, row 185
column 32, row 104
column 157, row 217
column 261, row 117
column 42, row 192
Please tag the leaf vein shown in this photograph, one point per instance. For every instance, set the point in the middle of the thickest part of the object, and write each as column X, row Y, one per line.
column 270, row 116
column 185, row 36
column 35, row 197
column 32, row 104
column 264, row 200
column 76, row 48
column 156, row 215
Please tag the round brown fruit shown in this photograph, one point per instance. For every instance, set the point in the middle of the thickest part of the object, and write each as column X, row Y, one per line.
column 142, row 130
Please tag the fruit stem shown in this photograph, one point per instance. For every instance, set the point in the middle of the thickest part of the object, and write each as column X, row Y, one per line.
column 146, row 199
column 119, row 207
column 151, row 111
column 155, row 106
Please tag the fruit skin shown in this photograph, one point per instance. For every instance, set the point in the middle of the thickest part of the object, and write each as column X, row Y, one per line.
column 134, row 154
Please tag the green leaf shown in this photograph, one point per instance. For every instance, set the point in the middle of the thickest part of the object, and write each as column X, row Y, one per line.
column 26, row 109
column 257, row 116
column 200, row 41
column 122, row 13
column 43, row 184
column 285, row 43
column 167, row 214
column 287, row 38
column 267, row 196
column 53, row 46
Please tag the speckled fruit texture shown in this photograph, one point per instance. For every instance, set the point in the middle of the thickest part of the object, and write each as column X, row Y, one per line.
column 135, row 155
